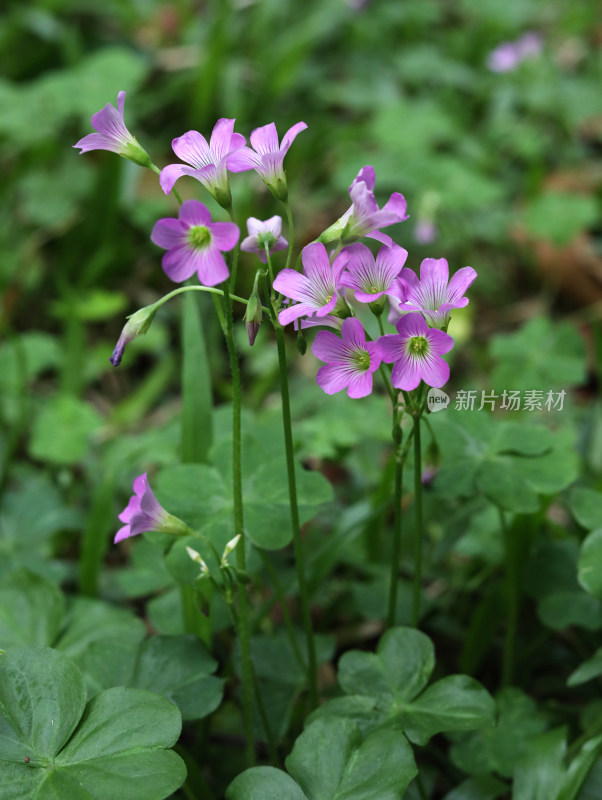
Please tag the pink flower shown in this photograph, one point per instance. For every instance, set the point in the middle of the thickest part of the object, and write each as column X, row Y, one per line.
column 113, row 135
column 195, row 244
column 262, row 235
column 316, row 290
column 144, row 513
column 372, row 278
column 350, row 360
column 209, row 162
column 434, row 295
column 416, row 350
column 364, row 218
column 267, row 158
column 508, row 55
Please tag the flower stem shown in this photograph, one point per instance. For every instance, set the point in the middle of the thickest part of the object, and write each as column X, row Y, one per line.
column 395, row 555
column 418, row 528
column 243, row 599
column 291, row 233
column 292, row 491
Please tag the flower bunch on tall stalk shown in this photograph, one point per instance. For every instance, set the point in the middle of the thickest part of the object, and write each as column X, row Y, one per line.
column 326, row 287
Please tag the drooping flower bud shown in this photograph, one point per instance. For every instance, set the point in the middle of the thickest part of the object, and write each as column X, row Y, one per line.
column 137, row 324
column 254, row 313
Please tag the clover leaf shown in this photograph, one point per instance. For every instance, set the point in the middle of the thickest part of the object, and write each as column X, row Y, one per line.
column 389, row 687
column 54, row 745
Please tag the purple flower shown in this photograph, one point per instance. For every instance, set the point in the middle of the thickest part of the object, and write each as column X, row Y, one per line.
column 316, row 290
column 137, row 324
column 209, row 163
column 508, row 55
column 144, row 513
column 262, row 235
column 364, row 218
column 267, row 158
column 433, row 295
column 372, row 278
column 416, row 352
column 350, row 360
column 113, row 135
column 425, row 231
column 195, row 244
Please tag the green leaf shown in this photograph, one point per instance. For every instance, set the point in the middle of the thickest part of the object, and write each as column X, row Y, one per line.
column 540, row 771
column 31, row 610
column 202, row 496
column 330, row 762
column 498, row 748
column 562, row 609
column 41, row 701
column 455, row 703
column 264, row 783
column 398, row 671
column 579, row 769
column 30, row 515
column 542, row 354
column 114, row 747
column 89, row 621
column 586, row 507
column 385, row 686
column 590, row 564
column 589, row 670
column 483, row 454
column 482, row 787
column 558, row 217
column 176, row 667
column 63, row 429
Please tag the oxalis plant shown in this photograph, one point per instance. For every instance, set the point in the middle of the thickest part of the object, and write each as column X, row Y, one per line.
column 89, row 734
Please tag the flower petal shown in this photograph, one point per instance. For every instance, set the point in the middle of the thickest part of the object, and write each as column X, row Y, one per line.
column 179, row 264
column 333, row 378
column 353, row 333
column 435, row 371
column 243, row 159
column 224, row 235
column 192, row 147
column 390, row 347
column 168, row 233
column 221, row 138
column 360, row 385
column 291, row 134
column 460, row 282
column 265, row 139
column 211, row 267
column 330, row 348
column 193, row 213
column 406, row 373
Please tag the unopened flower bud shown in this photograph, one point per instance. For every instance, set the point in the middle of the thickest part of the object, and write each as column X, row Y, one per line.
column 301, row 342
column 198, row 559
column 253, row 315
column 230, row 548
column 137, row 324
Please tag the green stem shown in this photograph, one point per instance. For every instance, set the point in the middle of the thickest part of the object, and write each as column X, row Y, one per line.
column 210, row 289
column 291, row 233
column 418, row 531
column 395, row 555
column 156, row 169
column 292, row 490
column 512, row 586
column 243, row 599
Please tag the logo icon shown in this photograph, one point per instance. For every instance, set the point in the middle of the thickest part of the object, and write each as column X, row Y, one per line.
column 437, row 400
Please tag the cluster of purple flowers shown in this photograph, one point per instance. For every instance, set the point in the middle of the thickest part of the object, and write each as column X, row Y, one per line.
column 416, row 349
column 420, row 307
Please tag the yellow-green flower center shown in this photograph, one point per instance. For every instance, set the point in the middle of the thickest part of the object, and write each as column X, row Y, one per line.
column 418, row 345
column 266, row 239
column 361, row 360
column 199, row 236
